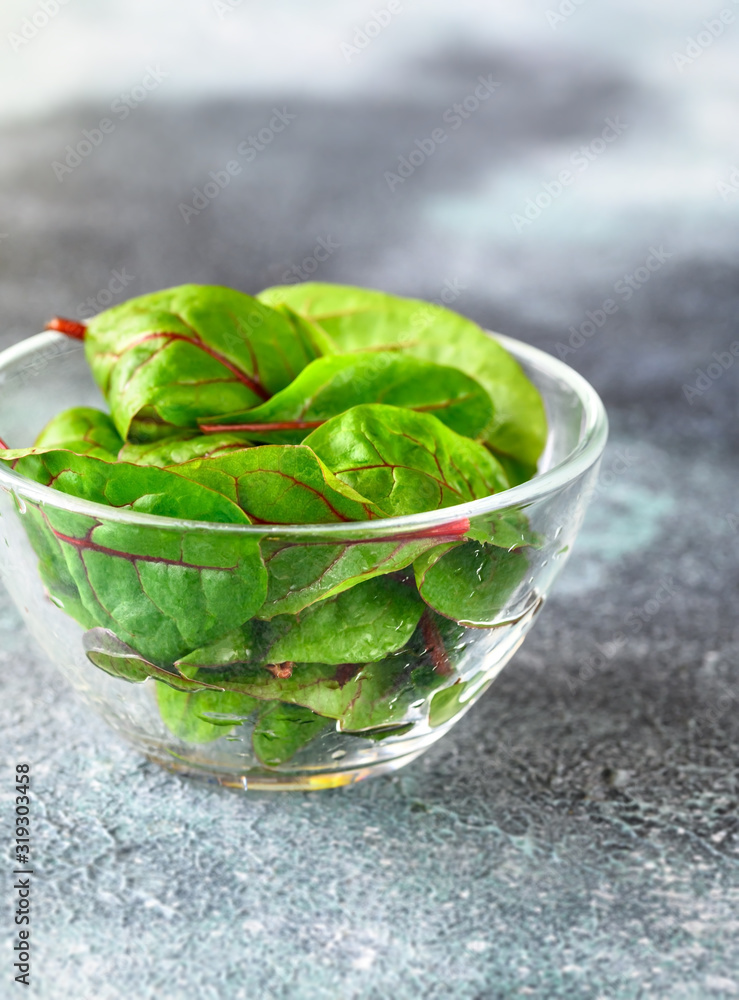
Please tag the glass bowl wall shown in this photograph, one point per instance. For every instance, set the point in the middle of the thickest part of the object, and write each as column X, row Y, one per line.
column 341, row 722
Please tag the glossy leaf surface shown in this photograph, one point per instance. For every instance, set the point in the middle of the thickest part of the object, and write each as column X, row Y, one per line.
column 202, row 716
column 332, row 385
column 359, row 318
column 182, row 447
column 405, row 462
column 83, row 430
column 280, row 484
column 165, row 359
column 162, row 591
column 471, row 583
column 365, row 623
column 282, row 729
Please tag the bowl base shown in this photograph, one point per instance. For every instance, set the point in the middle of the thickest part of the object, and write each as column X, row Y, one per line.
column 277, row 781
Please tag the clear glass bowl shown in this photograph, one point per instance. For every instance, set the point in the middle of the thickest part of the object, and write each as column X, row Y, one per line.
column 380, row 716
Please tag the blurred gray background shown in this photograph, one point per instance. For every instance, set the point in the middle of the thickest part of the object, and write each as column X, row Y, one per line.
column 576, row 834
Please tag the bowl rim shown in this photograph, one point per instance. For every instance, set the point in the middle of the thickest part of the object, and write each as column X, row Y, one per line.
column 593, row 437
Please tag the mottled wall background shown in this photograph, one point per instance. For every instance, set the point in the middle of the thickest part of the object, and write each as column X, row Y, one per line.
column 575, row 836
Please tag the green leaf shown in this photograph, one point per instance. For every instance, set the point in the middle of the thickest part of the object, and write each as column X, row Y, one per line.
column 165, row 359
column 449, row 702
column 162, row 591
column 508, row 529
column 280, row 484
column 182, row 447
column 331, row 385
column 301, row 573
column 363, row 624
column 316, row 342
column 405, row 462
column 83, row 430
column 517, row 472
column 202, row 716
column 105, row 650
column 471, row 583
column 376, row 699
column 358, row 696
column 281, row 730
column 358, row 319
column 146, row 489
column 53, row 570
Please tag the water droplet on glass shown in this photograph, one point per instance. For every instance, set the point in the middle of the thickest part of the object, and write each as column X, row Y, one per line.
column 338, row 754
column 21, row 504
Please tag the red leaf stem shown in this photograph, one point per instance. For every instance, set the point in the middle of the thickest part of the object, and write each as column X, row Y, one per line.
column 69, row 327
column 435, row 646
column 287, row 425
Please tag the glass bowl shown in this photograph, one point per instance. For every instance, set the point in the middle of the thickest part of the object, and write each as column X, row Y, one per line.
column 305, row 725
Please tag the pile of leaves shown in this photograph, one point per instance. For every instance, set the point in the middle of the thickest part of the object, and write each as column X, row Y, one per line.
column 309, row 404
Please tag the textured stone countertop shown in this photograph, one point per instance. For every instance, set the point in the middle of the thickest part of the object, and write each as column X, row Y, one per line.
column 576, row 835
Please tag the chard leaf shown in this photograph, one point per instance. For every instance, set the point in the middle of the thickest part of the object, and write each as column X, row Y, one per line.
column 164, row 592
column 470, row 583
column 282, row 729
column 146, row 489
column 280, row 484
column 331, row 385
column 83, row 430
column 506, row 529
column 358, row 696
column 364, row 624
column 517, row 472
column 316, row 342
column 449, row 702
column 405, row 462
column 358, row 319
column 53, row 570
column 163, row 360
column 202, row 716
column 182, row 447
column 299, row 574
column 105, row 650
